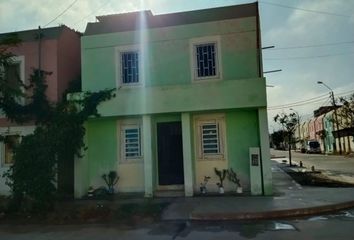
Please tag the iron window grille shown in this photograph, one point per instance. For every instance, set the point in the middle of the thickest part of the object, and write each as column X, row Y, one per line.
column 206, row 60
column 210, row 138
column 130, row 67
column 132, row 146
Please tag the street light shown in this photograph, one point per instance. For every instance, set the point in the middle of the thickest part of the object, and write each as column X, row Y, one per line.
column 335, row 113
column 298, row 122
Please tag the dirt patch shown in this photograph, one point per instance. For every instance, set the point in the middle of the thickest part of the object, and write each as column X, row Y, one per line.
column 91, row 212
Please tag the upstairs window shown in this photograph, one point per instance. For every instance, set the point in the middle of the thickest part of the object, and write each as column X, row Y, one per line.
column 12, row 75
column 130, row 67
column 205, row 58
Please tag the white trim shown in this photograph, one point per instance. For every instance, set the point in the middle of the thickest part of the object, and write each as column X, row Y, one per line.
column 122, row 125
column 199, row 121
column 192, row 50
column 118, row 65
column 21, row 61
column 3, row 149
column 16, row 130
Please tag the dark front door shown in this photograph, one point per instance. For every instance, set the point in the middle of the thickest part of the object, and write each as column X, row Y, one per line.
column 170, row 153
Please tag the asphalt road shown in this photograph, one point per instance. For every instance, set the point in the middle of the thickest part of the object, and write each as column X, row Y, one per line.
column 336, row 226
column 327, row 227
column 339, row 167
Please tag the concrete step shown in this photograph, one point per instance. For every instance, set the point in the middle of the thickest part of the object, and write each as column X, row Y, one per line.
column 169, row 193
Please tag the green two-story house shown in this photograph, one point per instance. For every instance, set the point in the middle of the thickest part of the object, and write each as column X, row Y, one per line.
column 190, row 97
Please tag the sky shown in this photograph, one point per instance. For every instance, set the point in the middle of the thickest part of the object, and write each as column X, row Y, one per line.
column 313, row 40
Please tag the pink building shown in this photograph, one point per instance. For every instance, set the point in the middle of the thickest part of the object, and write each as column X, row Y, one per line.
column 319, row 128
column 56, row 51
column 312, row 129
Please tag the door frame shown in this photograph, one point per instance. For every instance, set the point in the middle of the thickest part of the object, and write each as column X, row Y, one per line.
column 165, row 119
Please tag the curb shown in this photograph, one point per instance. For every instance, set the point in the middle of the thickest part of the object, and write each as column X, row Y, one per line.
column 286, row 213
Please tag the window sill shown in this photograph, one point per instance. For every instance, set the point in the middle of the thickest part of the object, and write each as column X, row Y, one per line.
column 131, row 161
column 211, row 158
column 129, row 86
column 206, row 79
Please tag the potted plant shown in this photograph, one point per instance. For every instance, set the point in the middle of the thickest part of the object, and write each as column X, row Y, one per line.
column 203, row 189
column 232, row 176
column 221, row 174
column 111, row 180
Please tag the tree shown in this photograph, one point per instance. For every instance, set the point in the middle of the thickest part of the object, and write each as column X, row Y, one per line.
column 288, row 123
column 58, row 136
column 277, row 138
column 346, row 113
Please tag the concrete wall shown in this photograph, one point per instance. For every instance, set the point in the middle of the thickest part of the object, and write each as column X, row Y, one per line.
column 48, row 62
column 60, row 57
column 241, row 93
column 328, row 126
column 167, row 55
column 69, row 59
column 103, row 153
column 169, row 93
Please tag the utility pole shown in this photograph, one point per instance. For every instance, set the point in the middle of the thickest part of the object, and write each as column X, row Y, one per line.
column 298, row 124
column 335, row 114
column 39, row 48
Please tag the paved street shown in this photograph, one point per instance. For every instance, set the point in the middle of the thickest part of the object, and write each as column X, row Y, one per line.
column 337, row 167
column 336, row 226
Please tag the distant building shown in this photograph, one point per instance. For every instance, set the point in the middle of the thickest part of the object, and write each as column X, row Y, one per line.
column 328, row 127
column 56, row 51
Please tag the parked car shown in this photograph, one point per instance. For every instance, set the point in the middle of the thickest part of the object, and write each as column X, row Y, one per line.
column 313, row 146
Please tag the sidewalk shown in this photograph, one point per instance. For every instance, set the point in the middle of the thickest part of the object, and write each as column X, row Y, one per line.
column 289, row 200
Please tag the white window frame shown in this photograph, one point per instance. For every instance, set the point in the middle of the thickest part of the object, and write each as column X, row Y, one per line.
column 3, row 148
column 21, row 61
column 124, row 125
column 219, row 120
column 193, row 43
column 118, row 60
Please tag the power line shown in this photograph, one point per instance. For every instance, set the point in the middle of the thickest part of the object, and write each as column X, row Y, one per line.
column 297, row 104
column 66, row 9
column 309, row 57
column 306, row 10
column 317, row 98
column 311, row 46
column 309, row 101
column 326, row 102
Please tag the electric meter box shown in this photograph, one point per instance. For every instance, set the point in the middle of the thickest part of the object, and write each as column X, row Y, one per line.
column 255, row 171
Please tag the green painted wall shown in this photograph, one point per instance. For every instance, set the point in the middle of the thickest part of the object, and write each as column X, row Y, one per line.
column 243, row 93
column 168, row 53
column 169, row 89
column 102, row 148
column 242, row 132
